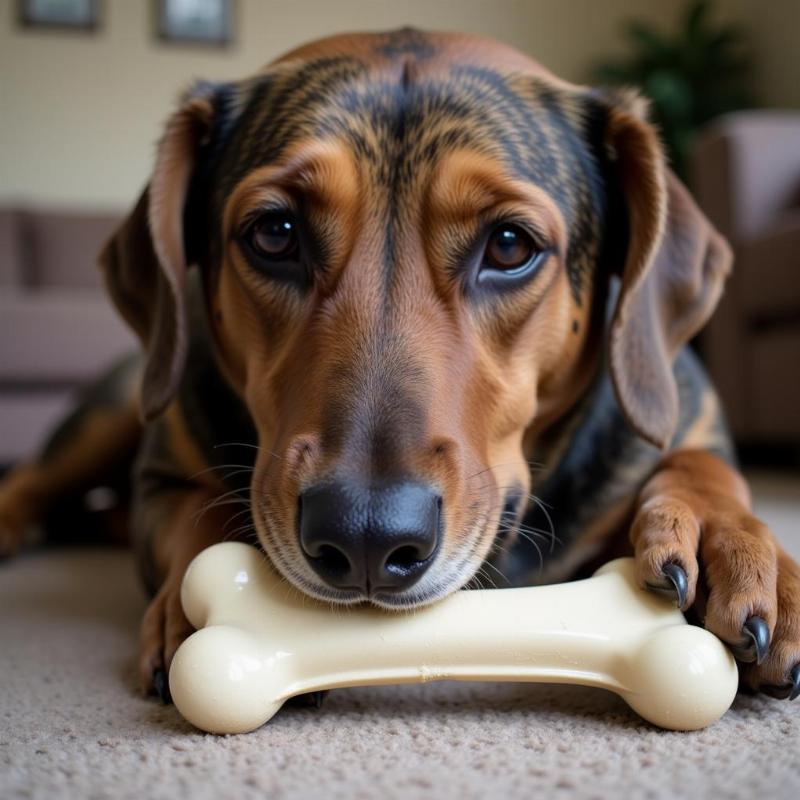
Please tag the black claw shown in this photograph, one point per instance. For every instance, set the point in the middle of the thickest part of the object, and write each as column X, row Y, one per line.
column 676, row 574
column 680, row 584
column 789, row 691
column 161, row 685
column 757, row 630
column 309, row 700
column 795, row 676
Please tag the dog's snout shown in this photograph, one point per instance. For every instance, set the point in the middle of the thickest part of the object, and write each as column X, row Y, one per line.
column 371, row 540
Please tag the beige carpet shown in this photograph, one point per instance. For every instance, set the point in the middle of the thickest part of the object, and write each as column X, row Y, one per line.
column 71, row 724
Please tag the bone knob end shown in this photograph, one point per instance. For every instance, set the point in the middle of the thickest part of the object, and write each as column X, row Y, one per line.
column 685, row 678
column 222, row 681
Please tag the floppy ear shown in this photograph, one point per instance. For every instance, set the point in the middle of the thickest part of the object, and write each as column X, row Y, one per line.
column 672, row 277
column 144, row 263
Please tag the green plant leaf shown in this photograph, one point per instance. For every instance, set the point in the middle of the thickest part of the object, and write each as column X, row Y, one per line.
column 696, row 17
column 670, row 92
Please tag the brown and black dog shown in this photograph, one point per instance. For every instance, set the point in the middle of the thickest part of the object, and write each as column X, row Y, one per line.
column 432, row 336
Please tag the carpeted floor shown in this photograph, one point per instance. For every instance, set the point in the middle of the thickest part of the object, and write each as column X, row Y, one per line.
column 71, row 724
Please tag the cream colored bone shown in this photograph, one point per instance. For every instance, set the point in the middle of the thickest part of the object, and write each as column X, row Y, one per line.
column 260, row 642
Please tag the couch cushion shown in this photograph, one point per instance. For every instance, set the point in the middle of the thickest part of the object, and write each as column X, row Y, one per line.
column 10, row 248
column 63, row 248
column 58, row 335
column 27, row 418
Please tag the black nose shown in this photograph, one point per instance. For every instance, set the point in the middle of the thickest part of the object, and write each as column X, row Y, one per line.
column 370, row 539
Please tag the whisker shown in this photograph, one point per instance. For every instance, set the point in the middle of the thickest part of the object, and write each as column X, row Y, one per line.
column 247, row 510
column 538, row 549
column 218, row 466
column 220, row 501
column 543, row 506
column 233, row 474
column 242, row 532
column 252, row 446
column 492, row 486
column 533, row 465
column 498, row 571
column 231, row 497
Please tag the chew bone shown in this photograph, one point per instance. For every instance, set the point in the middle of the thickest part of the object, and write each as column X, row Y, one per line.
column 259, row 642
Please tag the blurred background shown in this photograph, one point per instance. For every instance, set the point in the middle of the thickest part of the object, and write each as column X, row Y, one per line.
column 85, row 87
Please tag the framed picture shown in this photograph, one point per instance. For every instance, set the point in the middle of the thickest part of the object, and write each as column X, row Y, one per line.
column 208, row 22
column 79, row 15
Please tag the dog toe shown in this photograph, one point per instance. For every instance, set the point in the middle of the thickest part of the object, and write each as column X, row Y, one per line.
column 787, row 691
column 665, row 534
column 11, row 534
column 161, row 685
column 164, row 628
column 740, row 571
column 778, row 673
column 9, row 544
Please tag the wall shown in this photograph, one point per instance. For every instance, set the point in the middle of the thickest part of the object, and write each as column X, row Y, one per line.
column 81, row 113
column 774, row 29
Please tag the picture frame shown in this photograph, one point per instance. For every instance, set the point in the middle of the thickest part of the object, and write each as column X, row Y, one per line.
column 195, row 22
column 68, row 15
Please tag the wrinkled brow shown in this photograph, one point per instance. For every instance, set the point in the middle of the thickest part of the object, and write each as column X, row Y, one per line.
column 320, row 174
column 397, row 129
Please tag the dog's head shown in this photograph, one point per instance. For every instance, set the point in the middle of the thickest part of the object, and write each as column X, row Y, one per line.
column 406, row 242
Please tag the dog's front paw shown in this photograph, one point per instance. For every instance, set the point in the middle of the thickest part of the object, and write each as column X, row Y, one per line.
column 163, row 630
column 722, row 561
column 18, row 510
column 11, row 535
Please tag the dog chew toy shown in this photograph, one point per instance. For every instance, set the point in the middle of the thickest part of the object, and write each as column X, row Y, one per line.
column 260, row 641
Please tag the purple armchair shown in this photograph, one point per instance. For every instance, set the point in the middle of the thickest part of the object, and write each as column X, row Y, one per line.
column 746, row 176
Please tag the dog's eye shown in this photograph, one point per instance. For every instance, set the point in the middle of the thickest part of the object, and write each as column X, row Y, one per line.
column 273, row 237
column 509, row 248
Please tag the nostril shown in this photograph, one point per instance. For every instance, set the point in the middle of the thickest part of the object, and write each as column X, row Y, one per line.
column 334, row 558
column 404, row 558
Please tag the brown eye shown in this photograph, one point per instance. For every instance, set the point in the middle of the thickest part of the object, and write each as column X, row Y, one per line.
column 274, row 237
column 509, row 248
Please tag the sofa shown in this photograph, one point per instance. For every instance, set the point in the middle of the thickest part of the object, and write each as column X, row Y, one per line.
column 746, row 176
column 57, row 327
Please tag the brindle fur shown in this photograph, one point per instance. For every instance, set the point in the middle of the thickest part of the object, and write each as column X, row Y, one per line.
column 389, row 360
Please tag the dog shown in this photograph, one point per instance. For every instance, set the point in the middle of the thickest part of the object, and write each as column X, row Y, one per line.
column 414, row 316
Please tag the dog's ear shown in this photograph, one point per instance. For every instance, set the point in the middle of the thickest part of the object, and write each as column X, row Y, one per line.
column 671, row 277
column 144, row 264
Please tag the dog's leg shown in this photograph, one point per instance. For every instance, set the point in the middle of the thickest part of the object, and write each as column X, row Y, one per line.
column 179, row 524
column 695, row 536
column 84, row 452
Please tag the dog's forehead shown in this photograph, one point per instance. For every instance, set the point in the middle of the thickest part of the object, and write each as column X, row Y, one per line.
column 433, row 49
column 404, row 100
column 409, row 97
